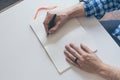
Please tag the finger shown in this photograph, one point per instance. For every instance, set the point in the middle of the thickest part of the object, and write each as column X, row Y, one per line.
column 69, row 55
column 73, row 52
column 71, row 62
column 52, row 30
column 86, row 49
column 79, row 50
column 46, row 27
column 47, row 20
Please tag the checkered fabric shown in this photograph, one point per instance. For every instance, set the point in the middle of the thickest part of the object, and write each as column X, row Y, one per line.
column 98, row 8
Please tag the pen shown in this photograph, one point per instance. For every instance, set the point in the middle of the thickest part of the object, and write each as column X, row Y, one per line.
column 52, row 22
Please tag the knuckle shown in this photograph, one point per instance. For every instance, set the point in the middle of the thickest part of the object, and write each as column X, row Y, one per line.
column 81, row 59
column 79, row 50
column 59, row 23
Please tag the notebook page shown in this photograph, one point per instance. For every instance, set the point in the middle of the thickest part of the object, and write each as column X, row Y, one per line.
column 71, row 32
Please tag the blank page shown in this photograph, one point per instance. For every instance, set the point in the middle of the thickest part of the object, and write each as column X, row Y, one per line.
column 71, row 32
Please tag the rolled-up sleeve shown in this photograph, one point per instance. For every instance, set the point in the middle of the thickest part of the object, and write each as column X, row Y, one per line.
column 98, row 8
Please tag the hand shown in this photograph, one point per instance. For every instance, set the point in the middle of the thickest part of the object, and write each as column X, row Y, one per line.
column 62, row 16
column 87, row 59
column 59, row 21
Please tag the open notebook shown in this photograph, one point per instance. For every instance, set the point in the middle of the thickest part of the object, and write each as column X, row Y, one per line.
column 71, row 32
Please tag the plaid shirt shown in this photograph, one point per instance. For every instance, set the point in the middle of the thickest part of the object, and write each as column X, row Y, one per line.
column 98, row 8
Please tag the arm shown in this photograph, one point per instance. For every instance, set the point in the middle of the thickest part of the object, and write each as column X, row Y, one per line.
column 98, row 8
column 90, row 62
column 87, row 8
column 110, row 73
column 63, row 16
column 95, row 8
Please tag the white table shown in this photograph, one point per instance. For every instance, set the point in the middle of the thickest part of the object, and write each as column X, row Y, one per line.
column 23, row 58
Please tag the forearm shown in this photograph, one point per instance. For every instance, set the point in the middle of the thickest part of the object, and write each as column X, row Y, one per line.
column 76, row 10
column 109, row 72
column 89, row 8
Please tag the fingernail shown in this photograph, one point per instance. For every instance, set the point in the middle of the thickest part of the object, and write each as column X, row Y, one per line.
column 82, row 44
column 70, row 43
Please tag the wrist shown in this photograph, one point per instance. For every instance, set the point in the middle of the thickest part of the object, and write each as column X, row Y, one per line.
column 76, row 11
column 104, row 70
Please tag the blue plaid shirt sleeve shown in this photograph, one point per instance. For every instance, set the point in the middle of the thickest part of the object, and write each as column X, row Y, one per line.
column 98, row 8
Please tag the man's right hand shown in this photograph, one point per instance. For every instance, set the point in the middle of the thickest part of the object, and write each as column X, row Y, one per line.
column 60, row 19
column 63, row 15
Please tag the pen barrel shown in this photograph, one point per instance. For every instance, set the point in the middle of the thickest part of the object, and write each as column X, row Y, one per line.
column 52, row 22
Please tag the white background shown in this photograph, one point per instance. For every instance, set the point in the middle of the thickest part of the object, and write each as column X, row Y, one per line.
column 23, row 58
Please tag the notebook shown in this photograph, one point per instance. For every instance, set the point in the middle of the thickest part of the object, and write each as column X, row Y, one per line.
column 54, row 44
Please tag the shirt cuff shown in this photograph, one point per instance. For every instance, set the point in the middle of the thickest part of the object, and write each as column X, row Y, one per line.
column 94, row 8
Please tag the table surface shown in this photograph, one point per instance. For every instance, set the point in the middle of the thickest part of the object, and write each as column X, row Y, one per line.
column 23, row 58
